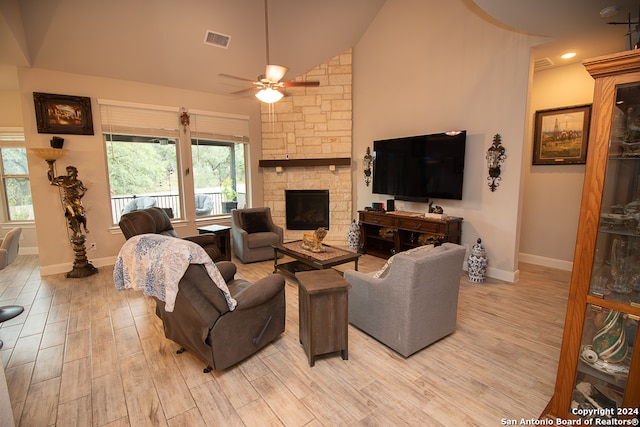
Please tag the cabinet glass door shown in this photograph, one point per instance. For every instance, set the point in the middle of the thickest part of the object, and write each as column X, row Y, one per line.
column 605, row 358
column 609, row 331
column 616, row 267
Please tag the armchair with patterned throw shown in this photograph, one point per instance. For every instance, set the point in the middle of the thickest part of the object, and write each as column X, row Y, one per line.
column 253, row 234
column 156, row 221
column 204, row 308
column 413, row 301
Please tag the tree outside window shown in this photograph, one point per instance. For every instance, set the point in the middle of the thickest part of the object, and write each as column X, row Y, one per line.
column 142, row 173
column 218, row 175
column 17, row 189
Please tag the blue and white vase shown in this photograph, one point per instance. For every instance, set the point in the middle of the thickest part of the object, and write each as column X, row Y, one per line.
column 353, row 236
column 477, row 263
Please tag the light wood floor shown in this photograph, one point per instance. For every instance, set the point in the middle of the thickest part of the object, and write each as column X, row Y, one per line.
column 84, row 354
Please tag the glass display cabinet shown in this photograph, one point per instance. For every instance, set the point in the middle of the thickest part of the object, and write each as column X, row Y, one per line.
column 599, row 367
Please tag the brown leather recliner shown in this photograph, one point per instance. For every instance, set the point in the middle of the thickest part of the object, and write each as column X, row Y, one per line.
column 202, row 323
column 156, row 221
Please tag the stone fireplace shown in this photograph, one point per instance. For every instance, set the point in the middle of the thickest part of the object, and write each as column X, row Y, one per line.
column 312, row 123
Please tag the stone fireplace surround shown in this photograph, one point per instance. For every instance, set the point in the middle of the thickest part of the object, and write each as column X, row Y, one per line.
column 312, row 123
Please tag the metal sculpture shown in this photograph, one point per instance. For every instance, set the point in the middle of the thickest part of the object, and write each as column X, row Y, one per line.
column 73, row 190
column 495, row 157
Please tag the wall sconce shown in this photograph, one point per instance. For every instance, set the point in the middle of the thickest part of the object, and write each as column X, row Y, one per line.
column 495, row 157
column 368, row 159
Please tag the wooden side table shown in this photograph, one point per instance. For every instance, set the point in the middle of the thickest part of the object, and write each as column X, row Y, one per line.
column 224, row 237
column 323, row 297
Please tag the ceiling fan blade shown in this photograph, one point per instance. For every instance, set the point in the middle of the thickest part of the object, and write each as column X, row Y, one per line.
column 249, row 89
column 275, row 73
column 237, row 78
column 293, row 84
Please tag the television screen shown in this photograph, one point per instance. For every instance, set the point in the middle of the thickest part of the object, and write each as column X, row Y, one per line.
column 418, row 168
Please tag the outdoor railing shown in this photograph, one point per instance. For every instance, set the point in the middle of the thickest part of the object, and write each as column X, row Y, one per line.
column 171, row 202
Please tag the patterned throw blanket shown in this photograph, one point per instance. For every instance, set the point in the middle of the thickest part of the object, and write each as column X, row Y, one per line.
column 156, row 263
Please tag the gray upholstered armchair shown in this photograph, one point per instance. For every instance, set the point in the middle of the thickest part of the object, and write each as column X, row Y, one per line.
column 9, row 246
column 138, row 203
column 204, row 204
column 253, row 233
column 413, row 302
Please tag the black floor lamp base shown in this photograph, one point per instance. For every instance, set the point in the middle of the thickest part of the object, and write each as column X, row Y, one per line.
column 9, row 312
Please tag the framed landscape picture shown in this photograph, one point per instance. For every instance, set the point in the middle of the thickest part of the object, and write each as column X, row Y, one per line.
column 561, row 135
column 63, row 114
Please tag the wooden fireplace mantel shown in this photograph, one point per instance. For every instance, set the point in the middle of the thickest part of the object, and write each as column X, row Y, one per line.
column 292, row 163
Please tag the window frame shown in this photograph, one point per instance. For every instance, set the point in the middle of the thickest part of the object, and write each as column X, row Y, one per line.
column 227, row 129
column 12, row 137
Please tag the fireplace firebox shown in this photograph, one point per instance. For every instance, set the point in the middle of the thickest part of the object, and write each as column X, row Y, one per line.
column 307, row 209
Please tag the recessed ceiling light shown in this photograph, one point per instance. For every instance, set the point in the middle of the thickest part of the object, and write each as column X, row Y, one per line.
column 568, row 55
column 608, row 12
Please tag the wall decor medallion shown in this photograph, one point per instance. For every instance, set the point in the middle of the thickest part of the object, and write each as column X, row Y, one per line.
column 63, row 114
column 561, row 136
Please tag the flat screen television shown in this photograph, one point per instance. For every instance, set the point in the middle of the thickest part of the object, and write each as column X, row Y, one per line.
column 419, row 168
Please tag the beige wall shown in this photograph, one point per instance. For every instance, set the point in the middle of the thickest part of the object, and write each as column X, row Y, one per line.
column 410, row 79
column 552, row 193
column 87, row 153
column 407, row 79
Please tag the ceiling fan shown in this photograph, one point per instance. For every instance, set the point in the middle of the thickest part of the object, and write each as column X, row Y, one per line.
column 269, row 84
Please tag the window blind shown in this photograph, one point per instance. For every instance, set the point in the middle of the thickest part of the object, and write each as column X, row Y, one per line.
column 139, row 119
column 219, row 127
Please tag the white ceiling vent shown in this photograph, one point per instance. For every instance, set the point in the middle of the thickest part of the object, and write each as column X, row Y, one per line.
column 542, row 63
column 217, row 39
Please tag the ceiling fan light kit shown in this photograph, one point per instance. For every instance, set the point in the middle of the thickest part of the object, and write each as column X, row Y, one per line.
column 269, row 95
column 269, row 83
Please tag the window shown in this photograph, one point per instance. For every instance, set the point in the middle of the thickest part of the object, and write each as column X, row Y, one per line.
column 218, row 176
column 18, row 205
column 148, row 146
column 142, row 173
column 142, row 157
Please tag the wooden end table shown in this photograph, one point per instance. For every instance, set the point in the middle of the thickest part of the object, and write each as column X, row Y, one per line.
column 323, row 297
column 224, row 237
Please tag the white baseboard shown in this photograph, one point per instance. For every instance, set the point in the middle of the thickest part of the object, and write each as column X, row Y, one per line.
column 494, row 273
column 66, row 267
column 546, row 262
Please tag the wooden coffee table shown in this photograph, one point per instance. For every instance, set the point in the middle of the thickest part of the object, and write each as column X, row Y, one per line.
column 305, row 260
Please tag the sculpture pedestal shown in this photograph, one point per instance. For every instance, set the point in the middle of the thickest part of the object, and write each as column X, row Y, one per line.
column 81, row 265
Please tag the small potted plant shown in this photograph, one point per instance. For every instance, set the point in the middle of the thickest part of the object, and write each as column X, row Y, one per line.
column 229, row 197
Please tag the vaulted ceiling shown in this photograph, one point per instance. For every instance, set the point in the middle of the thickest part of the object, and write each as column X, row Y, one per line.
column 162, row 41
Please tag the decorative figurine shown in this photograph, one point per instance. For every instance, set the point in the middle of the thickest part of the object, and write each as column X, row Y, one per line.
column 313, row 241
column 435, row 209
column 73, row 191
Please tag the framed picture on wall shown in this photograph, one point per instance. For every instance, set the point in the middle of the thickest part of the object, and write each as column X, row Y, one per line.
column 64, row 114
column 561, row 135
